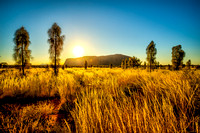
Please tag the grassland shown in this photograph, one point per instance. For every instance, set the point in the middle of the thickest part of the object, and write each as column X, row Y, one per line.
column 99, row 100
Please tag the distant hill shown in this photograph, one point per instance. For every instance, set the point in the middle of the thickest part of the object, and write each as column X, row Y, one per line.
column 96, row 60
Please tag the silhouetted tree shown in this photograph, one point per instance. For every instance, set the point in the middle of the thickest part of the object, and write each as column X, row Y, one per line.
column 47, row 67
column 188, row 64
column 151, row 54
column 160, row 66
column 3, row 65
column 122, row 64
column 177, row 57
column 134, row 62
column 56, row 42
column 22, row 54
column 145, row 65
column 63, row 67
column 168, row 67
column 86, row 64
column 130, row 62
column 125, row 63
column 157, row 64
column 110, row 66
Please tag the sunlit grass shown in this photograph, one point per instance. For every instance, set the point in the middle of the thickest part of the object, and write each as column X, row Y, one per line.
column 101, row 100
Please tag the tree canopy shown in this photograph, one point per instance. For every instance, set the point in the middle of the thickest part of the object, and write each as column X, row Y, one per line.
column 177, row 57
column 134, row 62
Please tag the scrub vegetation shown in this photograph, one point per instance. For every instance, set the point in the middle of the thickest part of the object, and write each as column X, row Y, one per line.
column 99, row 100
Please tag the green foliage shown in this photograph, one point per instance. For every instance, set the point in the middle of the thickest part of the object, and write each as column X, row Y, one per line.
column 22, row 54
column 56, row 42
column 177, row 57
column 151, row 54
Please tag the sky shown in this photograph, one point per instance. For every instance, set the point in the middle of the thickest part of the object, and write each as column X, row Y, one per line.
column 103, row 27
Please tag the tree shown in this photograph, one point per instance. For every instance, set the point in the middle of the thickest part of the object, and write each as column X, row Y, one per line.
column 122, row 64
column 134, row 62
column 56, row 42
column 3, row 64
column 177, row 57
column 145, row 65
column 130, row 63
column 47, row 67
column 168, row 67
column 63, row 66
column 22, row 54
column 188, row 64
column 157, row 64
column 86, row 64
column 151, row 54
column 110, row 66
column 125, row 63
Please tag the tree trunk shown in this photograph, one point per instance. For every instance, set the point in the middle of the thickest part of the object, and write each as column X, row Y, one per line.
column 22, row 59
column 150, row 65
column 55, row 56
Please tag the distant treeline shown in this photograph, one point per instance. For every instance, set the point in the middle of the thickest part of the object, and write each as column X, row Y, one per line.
column 169, row 67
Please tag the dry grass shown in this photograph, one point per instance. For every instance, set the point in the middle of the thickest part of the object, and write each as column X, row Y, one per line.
column 100, row 100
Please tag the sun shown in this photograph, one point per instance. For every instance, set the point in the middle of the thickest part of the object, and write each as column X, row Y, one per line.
column 78, row 51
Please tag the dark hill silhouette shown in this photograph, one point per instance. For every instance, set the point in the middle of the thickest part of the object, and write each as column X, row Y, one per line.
column 96, row 60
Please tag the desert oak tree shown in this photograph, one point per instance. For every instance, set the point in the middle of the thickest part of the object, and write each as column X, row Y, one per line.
column 177, row 57
column 151, row 54
column 134, row 62
column 56, row 42
column 22, row 54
